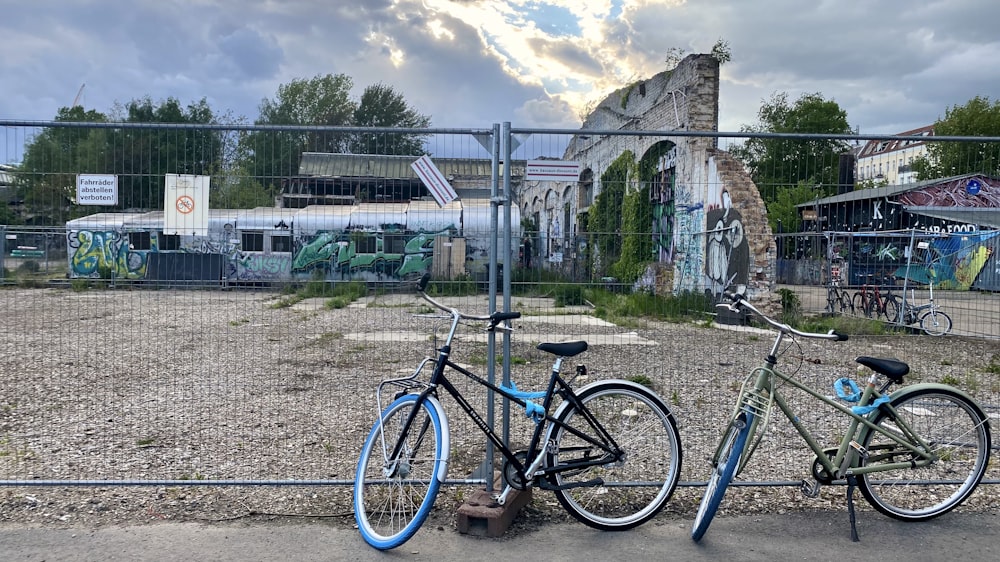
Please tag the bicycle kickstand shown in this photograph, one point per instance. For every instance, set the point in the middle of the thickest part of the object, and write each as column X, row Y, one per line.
column 851, row 483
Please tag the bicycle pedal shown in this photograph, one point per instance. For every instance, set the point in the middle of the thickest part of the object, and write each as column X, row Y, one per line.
column 860, row 449
column 810, row 489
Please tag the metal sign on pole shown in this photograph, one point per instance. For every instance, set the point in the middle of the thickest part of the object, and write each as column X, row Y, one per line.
column 434, row 180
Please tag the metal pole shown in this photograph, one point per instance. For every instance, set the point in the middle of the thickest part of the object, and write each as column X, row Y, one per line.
column 507, row 231
column 491, row 336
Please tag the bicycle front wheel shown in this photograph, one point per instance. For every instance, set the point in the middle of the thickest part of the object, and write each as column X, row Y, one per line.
column 935, row 323
column 730, row 453
column 958, row 434
column 859, row 304
column 393, row 495
column 625, row 493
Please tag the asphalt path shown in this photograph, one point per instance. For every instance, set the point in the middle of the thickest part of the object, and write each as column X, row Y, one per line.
column 791, row 536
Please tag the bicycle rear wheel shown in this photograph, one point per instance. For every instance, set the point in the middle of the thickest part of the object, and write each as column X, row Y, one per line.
column 890, row 308
column 846, row 306
column 633, row 490
column 392, row 496
column 958, row 433
column 730, row 453
column 935, row 323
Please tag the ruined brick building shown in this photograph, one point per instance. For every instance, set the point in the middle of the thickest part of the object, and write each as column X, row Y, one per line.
column 708, row 223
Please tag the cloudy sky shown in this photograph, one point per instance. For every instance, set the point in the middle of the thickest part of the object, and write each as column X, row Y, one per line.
column 893, row 65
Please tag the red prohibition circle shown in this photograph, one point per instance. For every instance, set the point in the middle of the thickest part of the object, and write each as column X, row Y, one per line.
column 185, row 204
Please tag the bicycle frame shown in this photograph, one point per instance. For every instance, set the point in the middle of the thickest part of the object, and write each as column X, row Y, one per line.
column 557, row 386
column 845, row 462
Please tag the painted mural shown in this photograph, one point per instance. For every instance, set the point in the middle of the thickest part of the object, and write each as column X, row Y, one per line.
column 103, row 253
column 727, row 251
column 970, row 261
column 390, row 253
column 266, row 245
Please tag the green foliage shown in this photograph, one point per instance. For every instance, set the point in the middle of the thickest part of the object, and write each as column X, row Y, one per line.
column 784, row 207
column 326, row 100
column 605, row 216
column 674, row 57
column 721, row 51
column 778, row 164
column 979, row 117
column 637, row 242
column 139, row 157
column 463, row 285
column 675, row 308
column 321, row 100
column 569, row 295
column 381, row 106
column 791, row 306
column 340, row 294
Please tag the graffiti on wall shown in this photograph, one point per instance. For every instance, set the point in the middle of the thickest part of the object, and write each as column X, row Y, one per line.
column 104, row 253
column 959, row 262
column 689, row 247
column 336, row 255
column 395, row 254
column 727, row 250
column 664, row 212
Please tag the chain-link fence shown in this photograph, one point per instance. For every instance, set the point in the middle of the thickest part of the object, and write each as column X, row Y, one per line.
column 216, row 304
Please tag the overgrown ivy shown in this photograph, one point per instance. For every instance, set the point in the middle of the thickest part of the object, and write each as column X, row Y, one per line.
column 605, row 219
column 621, row 219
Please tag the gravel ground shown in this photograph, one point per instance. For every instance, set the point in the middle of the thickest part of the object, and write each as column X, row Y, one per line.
column 194, row 387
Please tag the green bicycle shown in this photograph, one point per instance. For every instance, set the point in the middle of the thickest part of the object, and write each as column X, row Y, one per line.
column 915, row 453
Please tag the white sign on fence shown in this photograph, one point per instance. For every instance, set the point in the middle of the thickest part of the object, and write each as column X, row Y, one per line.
column 185, row 204
column 96, row 189
column 436, row 183
column 552, row 170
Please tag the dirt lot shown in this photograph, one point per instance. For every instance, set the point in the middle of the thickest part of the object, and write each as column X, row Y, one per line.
column 166, row 392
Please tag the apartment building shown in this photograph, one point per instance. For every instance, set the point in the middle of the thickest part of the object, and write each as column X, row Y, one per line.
column 890, row 162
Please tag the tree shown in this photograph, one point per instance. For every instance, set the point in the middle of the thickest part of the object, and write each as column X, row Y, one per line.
column 46, row 179
column 979, row 117
column 381, row 106
column 777, row 165
column 146, row 155
column 322, row 100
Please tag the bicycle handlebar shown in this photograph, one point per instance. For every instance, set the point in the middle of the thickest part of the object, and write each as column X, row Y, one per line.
column 493, row 319
column 739, row 301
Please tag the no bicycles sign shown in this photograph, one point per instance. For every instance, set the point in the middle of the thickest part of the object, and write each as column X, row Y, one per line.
column 185, row 204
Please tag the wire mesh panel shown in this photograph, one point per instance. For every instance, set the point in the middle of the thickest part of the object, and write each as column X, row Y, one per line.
column 144, row 345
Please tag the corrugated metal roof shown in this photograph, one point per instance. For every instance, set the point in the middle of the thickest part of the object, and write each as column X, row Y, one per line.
column 880, row 192
column 393, row 167
column 970, row 215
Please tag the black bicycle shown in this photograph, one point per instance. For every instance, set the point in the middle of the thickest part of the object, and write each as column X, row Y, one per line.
column 610, row 451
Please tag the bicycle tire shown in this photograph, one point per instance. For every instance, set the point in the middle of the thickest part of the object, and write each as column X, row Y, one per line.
column 860, row 303
column 731, row 451
column 890, row 308
column 935, row 323
column 631, row 491
column 958, row 430
column 390, row 508
column 846, row 306
column 872, row 309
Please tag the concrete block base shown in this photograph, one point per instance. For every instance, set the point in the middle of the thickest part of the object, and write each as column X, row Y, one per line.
column 481, row 515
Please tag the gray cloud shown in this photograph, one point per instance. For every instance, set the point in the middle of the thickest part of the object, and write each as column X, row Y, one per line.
column 893, row 65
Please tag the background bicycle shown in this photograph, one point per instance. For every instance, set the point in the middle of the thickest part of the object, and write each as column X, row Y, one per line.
column 929, row 316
